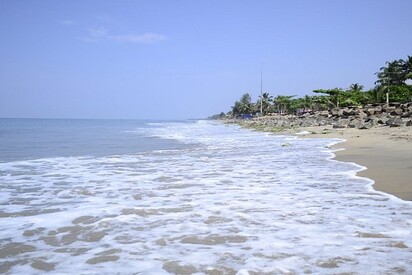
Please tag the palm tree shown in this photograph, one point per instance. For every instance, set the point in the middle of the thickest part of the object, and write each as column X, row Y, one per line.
column 391, row 76
column 321, row 102
column 356, row 87
column 308, row 103
column 355, row 96
column 265, row 100
column 407, row 66
column 283, row 103
column 334, row 95
column 242, row 106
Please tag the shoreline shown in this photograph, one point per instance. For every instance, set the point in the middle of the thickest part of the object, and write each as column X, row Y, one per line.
column 386, row 152
column 386, row 156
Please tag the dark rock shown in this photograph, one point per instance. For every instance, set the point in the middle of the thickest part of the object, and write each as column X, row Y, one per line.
column 305, row 115
column 365, row 125
column 406, row 114
column 375, row 121
column 348, row 112
column 354, row 123
column 362, row 114
column 324, row 113
column 397, row 112
column 395, row 122
column 394, row 115
column 334, row 112
column 370, row 111
column 404, row 106
column 378, row 109
column 383, row 118
column 341, row 123
column 306, row 123
column 281, row 124
column 388, row 109
column 322, row 122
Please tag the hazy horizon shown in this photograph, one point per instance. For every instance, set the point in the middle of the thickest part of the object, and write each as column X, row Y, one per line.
column 187, row 59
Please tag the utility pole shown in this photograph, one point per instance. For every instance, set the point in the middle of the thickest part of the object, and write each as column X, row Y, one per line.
column 261, row 88
column 389, row 84
column 387, row 96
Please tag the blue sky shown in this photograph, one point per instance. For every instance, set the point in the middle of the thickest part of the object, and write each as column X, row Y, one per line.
column 187, row 59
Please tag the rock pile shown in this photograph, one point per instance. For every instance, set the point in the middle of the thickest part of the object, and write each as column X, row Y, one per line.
column 392, row 115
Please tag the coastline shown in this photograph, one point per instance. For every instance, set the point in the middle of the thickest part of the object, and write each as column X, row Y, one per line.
column 386, row 152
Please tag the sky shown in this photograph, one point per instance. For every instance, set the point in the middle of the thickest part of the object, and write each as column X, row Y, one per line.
column 177, row 59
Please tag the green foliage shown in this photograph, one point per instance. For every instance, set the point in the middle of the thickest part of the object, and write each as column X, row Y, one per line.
column 282, row 103
column 335, row 96
column 392, row 78
column 265, row 100
column 354, row 96
column 408, row 68
column 222, row 115
column 242, row 106
column 400, row 93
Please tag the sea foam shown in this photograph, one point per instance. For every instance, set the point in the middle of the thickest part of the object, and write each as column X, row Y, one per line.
column 236, row 201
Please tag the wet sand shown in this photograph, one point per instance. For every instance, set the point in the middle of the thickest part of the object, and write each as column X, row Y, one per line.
column 385, row 151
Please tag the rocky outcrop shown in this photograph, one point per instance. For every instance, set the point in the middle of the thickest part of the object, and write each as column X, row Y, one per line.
column 372, row 115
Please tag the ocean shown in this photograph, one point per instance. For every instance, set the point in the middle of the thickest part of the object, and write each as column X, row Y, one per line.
column 184, row 197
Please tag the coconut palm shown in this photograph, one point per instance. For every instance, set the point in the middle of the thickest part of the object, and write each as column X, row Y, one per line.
column 282, row 102
column 265, row 99
column 392, row 79
column 407, row 66
column 242, row 106
column 356, row 87
column 334, row 95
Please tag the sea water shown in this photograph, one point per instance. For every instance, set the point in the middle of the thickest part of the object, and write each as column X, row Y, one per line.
column 153, row 197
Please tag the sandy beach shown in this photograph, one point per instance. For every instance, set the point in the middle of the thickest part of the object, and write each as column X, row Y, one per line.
column 385, row 151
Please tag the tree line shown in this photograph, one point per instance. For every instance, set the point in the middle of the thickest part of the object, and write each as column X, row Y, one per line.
column 391, row 86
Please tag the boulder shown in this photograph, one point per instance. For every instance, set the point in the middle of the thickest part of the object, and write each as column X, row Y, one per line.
column 321, row 122
column 354, row 123
column 341, row 123
column 370, row 111
column 374, row 120
column 388, row 109
column 282, row 124
column 362, row 114
column 304, row 115
column 383, row 118
column 365, row 124
column 335, row 112
column 323, row 113
column 406, row 114
column 395, row 122
column 348, row 112
column 397, row 112
column 271, row 123
column 408, row 123
column 378, row 109
column 306, row 123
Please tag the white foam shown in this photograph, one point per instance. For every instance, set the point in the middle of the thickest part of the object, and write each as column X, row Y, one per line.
column 237, row 202
column 303, row 133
